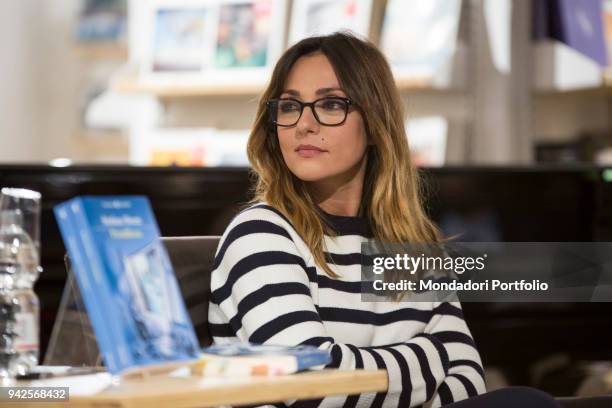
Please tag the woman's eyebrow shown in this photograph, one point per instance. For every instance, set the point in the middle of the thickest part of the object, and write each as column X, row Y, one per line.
column 328, row 90
column 291, row 92
column 321, row 91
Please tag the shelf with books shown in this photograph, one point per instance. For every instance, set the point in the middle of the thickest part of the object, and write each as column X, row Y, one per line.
column 131, row 83
column 197, row 89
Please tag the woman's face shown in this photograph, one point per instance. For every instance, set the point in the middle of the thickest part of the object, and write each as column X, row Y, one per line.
column 315, row 152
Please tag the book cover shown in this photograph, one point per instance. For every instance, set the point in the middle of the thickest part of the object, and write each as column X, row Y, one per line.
column 208, row 147
column 246, row 359
column 580, row 25
column 419, row 38
column 427, row 138
column 180, row 39
column 77, row 256
column 206, row 42
column 102, row 21
column 127, row 282
column 320, row 17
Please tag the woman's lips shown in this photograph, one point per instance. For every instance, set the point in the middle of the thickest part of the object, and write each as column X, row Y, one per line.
column 309, row 151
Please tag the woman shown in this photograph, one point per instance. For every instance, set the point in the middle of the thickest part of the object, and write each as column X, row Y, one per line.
column 333, row 169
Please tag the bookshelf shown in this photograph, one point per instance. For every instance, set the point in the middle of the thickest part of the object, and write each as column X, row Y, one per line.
column 493, row 117
column 189, row 103
column 131, row 83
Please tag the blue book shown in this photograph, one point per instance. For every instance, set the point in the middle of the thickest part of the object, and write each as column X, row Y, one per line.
column 248, row 359
column 579, row 24
column 87, row 290
column 127, row 282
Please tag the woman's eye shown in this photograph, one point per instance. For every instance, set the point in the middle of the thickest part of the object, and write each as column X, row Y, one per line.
column 332, row 104
column 289, row 107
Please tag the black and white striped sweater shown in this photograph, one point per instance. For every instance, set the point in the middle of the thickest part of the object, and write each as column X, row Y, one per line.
column 266, row 288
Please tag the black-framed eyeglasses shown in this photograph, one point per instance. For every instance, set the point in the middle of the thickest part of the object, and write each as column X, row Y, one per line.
column 328, row 111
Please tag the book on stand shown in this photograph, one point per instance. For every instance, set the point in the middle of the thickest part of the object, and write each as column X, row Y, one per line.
column 127, row 282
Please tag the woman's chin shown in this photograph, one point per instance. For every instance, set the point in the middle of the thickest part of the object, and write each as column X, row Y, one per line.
column 310, row 177
column 310, row 173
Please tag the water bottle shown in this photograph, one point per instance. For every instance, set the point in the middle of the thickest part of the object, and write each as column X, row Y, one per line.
column 21, row 257
column 8, row 307
column 8, row 353
column 28, row 203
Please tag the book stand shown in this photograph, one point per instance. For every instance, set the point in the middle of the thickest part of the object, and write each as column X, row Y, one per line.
column 73, row 342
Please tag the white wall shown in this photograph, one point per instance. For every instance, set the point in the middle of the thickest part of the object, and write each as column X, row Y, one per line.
column 43, row 75
column 58, row 91
column 19, row 81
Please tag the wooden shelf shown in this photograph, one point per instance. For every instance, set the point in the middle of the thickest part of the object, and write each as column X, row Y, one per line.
column 103, row 50
column 425, row 84
column 131, row 83
column 410, row 84
column 604, row 88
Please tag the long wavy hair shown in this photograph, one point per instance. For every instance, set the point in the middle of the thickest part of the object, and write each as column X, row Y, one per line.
column 392, row 191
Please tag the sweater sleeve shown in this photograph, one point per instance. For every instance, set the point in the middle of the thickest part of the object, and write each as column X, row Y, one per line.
column 260, row 292
column 465, row 376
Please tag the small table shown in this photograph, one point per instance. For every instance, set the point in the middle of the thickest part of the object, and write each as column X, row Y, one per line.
column 200, row 392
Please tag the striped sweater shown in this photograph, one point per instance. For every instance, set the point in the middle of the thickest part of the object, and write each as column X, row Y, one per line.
column 266, row 288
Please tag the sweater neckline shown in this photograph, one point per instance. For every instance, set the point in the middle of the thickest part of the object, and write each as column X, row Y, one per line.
column 347, row 225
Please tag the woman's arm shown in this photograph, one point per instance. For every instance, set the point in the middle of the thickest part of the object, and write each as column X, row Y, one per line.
column 264, row 292
column 465, row 377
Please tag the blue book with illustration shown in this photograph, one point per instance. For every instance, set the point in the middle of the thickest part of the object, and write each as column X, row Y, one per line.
column 127, row 283
column 248, row 359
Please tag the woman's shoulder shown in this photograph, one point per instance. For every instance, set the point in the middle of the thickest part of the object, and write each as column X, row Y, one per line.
column 258, row 218
column 260, row 211
column 258, row 228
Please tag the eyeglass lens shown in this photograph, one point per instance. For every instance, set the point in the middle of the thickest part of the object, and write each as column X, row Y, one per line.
column 328, row 111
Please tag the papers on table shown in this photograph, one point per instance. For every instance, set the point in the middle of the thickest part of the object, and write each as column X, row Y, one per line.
column 80, row 385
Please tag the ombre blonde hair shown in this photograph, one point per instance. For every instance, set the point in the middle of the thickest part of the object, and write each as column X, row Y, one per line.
column 391, row 198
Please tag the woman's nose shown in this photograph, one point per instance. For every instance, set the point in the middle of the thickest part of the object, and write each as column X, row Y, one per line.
column 307, row 122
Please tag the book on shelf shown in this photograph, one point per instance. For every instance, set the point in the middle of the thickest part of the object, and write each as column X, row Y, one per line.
column 427, row 138
column 102, row 21
column 580, row 25
column 246, row 359
column 320, row 17
column 569, row 49
column 194, row 147
column 420, row 38
column 127, row 283
column 209, row 42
